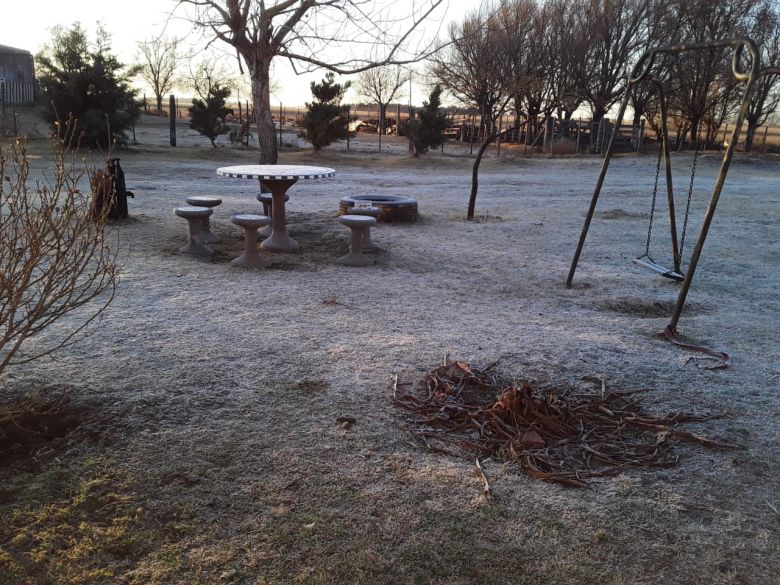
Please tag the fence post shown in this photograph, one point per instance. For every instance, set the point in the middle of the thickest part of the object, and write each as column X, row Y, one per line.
column 172, row 119
column 577, row 144
column 281, row 111
column 763, row 144
column 498, row 136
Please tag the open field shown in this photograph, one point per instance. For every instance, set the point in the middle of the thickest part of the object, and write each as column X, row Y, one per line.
column 208, row 451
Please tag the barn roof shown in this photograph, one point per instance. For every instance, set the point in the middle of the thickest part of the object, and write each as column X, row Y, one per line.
column 5, row 50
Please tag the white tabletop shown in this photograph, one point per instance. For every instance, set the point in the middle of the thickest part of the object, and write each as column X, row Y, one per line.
column 279, row 172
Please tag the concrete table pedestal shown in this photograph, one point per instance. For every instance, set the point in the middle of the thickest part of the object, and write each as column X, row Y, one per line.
column 278, row 179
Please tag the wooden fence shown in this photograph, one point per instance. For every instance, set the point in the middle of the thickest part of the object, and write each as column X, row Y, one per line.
column 14, row 93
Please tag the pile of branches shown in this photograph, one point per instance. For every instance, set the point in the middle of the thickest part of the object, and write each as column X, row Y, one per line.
column 554, row 435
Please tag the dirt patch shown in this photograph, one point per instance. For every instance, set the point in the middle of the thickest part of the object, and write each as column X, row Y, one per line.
column 35, row 425
column 484, row 218
column 617, row 214
column 648, row 308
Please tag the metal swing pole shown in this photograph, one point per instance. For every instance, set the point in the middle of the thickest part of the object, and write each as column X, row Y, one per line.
column 668, row 169
column 750, row 77
column 599, row 183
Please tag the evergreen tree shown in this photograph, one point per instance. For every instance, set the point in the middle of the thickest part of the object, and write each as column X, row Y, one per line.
column 88, row 83
column 427, row 131
column 326, row 119
column 208, row 116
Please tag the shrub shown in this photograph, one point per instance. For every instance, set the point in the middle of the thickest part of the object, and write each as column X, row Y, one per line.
column 208, row 116
column 87, row 83
column 54, row 257
column 326, row 120
column 427, row 130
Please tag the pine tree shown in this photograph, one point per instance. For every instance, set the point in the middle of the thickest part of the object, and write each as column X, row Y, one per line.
column 88, row 83
column 427, row 131
column 208, row 116
column 326, row 119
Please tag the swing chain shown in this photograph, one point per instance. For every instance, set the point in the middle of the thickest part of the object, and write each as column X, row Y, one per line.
column 690, row 195
column 655, row 193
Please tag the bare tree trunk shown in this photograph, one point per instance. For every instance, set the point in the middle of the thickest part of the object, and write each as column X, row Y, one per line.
column 159, row 99
column 261, row 97
column 751, row 135
column 475, row 176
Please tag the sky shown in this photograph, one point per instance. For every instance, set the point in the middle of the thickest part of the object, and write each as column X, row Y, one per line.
column 27, row 25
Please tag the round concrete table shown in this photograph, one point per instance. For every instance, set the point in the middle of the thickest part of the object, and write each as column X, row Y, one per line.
column 277, row 178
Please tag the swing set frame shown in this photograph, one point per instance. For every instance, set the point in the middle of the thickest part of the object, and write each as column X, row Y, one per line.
column 643, row 71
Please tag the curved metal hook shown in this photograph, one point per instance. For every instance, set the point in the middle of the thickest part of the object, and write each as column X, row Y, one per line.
column 754, row 60
column 643, row 66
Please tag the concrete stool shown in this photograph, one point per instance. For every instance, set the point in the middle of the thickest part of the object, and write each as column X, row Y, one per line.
column 359, row 225
column 267, row 201
column 250, row 258
column 203, row 201
column 368, row 245
column 195, row 217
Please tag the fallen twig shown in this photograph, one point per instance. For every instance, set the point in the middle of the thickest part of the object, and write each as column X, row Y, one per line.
column 554, row 435
column 485, row 483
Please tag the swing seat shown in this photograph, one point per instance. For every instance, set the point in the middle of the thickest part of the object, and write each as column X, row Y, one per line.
column 651, row 264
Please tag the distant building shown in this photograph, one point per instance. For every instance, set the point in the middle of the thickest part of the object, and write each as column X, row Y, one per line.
column 17, row 75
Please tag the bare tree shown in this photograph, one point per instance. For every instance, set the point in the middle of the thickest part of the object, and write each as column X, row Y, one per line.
column 55, row 261
column 476, row 68
column 615, row 31
column 702, row 85
column 207, row 74
column 382, row 85
column 766, row 94
column 343, row 36
column 161, row 58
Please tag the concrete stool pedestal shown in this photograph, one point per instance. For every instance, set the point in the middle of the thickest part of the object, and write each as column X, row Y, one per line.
column 195, row 217
column 268, row 204
column 368, row 245
column 359, row 225
column 250, row 258
column 204, row 201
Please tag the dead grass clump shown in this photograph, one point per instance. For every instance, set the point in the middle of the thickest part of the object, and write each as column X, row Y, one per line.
column 554, row 435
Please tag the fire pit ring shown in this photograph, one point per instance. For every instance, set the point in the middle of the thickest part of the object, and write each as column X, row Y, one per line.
column 394, row 208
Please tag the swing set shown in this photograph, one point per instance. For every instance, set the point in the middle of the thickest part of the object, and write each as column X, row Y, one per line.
column 643, row 72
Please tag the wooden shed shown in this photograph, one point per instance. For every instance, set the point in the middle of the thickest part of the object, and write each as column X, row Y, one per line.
column 17, row 76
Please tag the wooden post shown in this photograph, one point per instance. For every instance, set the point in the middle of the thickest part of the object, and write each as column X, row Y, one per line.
column 579, row 130
column 381, row 126
column 763, row 144
column 411, row 117
column 281, row 113
column 146, row 107
column 349, row 118
column 240, row 116
column 471, row 133
column 172, row 119
column 498, row 136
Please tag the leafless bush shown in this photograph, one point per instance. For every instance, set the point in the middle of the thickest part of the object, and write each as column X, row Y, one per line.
column 54, row 256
